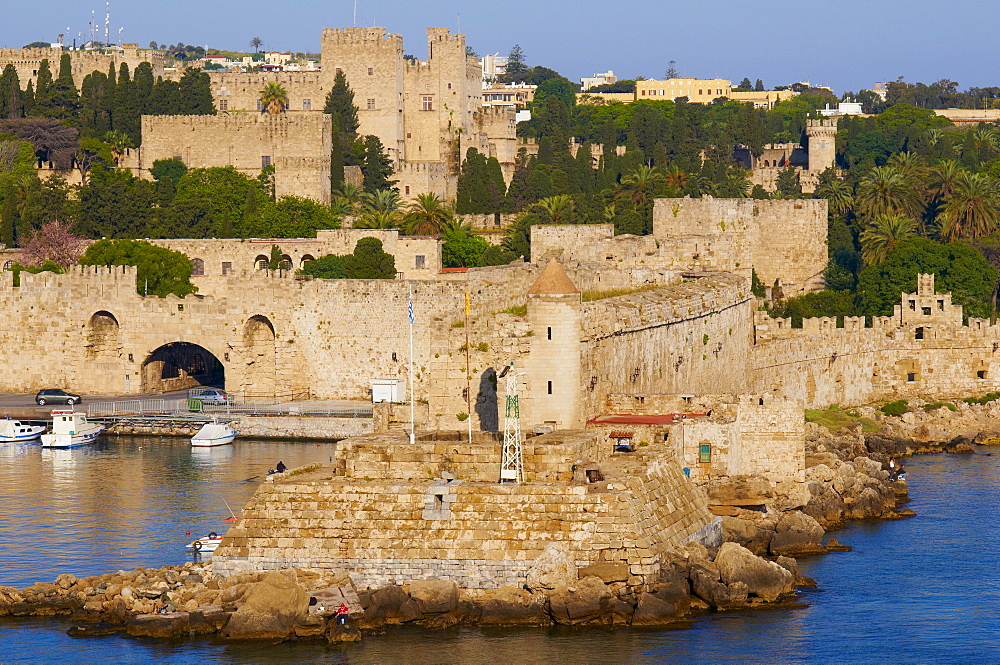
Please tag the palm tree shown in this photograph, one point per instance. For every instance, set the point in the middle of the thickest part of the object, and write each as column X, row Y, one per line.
column 676, row 176
column 973, row 210
column 640, row 185
column 838, row 195
column 353, row 194
column 120, row 143
column 883, row 233
column 944, row 177
column 256, row 43
column 428, row 215
column 886, row 190
column 558, row 208
column 273, row 99
column 380, row 219
column 341, row 207
column 382, row 200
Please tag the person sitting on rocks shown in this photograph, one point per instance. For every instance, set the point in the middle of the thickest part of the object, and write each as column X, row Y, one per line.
column 342, row 612
column 280, row 468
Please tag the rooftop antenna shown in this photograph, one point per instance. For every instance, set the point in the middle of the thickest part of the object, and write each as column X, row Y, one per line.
column 511, row 460
column 107, row 22
column 355, row 13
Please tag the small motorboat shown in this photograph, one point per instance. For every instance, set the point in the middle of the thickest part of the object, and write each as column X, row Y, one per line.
column 70, row 429
column 213, row 434
column 12, row 431
column 205, row 545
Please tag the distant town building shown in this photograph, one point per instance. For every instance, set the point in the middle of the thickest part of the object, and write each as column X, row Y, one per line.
column 843, row 108
column 763, row 99
column 699, row 91
column 508, row 95
column 494, row 65
column 599, row 79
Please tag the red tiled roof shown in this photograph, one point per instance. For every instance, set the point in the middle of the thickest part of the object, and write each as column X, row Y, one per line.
column 643, row 419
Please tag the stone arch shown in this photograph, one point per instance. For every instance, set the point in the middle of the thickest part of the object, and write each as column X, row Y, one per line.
column 197, row 267
column 260, row 378
column 180, row 365
column 306, row 258
column 104, row 333
column 260, row 263
column 8, row 265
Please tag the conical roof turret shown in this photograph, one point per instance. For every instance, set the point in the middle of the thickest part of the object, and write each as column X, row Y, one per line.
column 553, row 281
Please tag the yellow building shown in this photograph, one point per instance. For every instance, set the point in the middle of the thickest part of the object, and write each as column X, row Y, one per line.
column 700, row 91
column 765, row 99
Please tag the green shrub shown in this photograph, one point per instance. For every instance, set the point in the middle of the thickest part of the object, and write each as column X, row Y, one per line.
column 897, row 408
column 938, row 405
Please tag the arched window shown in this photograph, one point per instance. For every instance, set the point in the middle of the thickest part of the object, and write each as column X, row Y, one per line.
column 306, row 258
column 8, row 265
column 197, row 267
column 286, row 262
column 260, row 263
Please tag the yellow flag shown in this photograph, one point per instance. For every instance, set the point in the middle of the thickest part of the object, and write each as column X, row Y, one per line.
column 468, row 308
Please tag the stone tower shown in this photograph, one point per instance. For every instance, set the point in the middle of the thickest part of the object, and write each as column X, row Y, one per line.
column 373, row 63
column 822, row 144
column 554, row 363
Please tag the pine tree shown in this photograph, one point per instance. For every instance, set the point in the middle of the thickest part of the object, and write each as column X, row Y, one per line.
column 759, row 87
column 125, row 115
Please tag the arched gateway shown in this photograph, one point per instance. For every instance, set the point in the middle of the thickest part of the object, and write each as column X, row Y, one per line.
column 180, row 365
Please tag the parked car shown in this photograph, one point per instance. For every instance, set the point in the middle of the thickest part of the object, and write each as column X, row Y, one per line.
column 212, row 396
column 56, row 396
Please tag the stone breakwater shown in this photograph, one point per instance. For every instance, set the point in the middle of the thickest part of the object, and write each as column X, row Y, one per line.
column 296, row 604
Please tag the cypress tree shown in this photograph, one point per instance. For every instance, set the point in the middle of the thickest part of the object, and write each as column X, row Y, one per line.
column 495, row 185
column 340, row 105
column 143, row 80
column 376, row 167
column 336, row 163
column 62, row 99
column 28, row 101
column 249, row 212
column 585, row 169
column 10, row 93
column 44, row 82
column 516, row 196
column 472, row 196
column 108, row 99
column 196, row 93
column 95, row 116
column 125, row 114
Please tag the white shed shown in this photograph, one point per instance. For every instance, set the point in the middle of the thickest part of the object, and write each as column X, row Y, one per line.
column 388, row 390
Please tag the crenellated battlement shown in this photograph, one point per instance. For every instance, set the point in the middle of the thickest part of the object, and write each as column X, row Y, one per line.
column 375, row 36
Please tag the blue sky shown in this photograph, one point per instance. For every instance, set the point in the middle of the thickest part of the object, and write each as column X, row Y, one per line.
column 847, row 44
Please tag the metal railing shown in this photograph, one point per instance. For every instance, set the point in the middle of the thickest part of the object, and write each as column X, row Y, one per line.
column 236, row 407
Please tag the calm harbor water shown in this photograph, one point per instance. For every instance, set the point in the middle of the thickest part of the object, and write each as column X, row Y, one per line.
column 919, row 590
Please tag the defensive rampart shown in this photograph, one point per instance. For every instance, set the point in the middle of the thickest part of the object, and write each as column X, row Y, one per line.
column 481, row 534
column 923, row 350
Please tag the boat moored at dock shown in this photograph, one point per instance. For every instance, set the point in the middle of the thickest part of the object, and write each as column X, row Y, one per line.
column 14, row 431
column 70, row 429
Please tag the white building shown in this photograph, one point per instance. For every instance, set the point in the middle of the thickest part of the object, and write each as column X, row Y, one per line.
column 598, row 79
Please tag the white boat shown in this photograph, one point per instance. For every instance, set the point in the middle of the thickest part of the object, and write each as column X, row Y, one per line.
column 213, row 434
column 205, row 545
column 70, row 429
column 14, row 430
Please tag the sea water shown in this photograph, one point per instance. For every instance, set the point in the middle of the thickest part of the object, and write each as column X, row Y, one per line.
column 919, row 590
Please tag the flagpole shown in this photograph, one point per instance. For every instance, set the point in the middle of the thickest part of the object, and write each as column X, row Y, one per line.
column 413, row 420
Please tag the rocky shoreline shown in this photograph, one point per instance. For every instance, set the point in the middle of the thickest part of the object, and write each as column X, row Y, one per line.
column 846, row 477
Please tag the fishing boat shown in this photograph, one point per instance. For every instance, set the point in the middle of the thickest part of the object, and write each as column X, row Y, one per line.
column 70, row 429
column 12, row 431
column 205, row 545
column 213, row 434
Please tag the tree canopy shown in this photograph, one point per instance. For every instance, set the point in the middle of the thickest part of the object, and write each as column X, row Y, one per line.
column 160, row 271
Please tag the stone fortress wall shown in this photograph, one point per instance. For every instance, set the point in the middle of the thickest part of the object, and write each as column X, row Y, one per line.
column 298, row 145
column 781, row 240
column 479, row 533
column 28, row 60
column 924, row 349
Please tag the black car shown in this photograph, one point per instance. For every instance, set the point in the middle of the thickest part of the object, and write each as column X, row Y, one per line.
column 56, row 396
